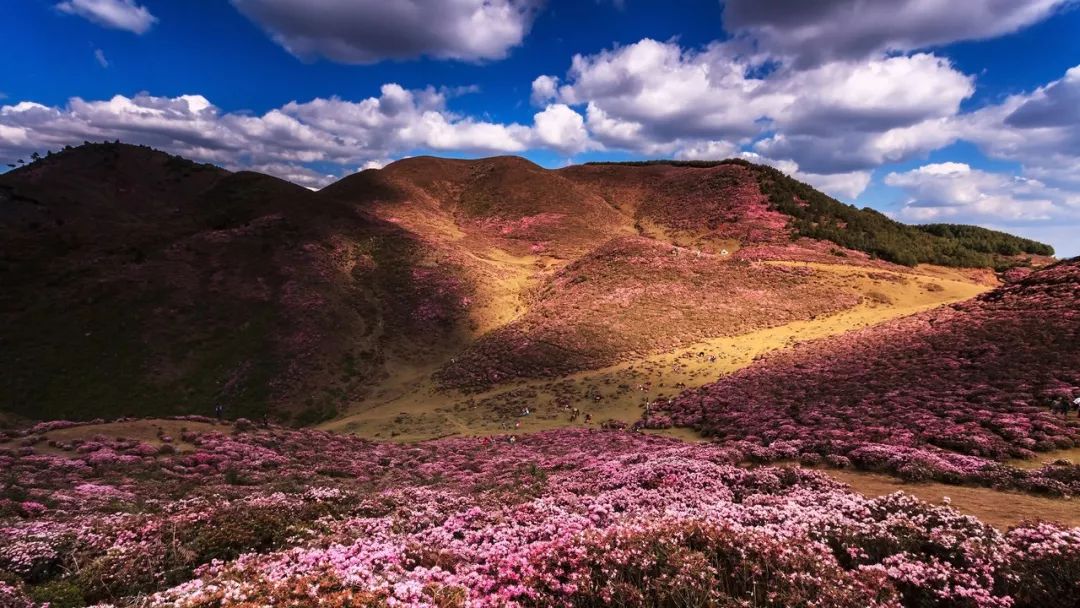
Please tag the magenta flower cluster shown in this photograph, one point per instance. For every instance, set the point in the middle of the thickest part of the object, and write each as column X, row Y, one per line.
column 565, row 518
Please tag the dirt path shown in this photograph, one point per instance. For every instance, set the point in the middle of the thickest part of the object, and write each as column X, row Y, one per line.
column 411, row 408
column 997, row 508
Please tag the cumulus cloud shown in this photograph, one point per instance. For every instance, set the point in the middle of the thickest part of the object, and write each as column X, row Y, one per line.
column 1040, row 130
column 544, row 89
column 956, row 192
column 116, row 14
column 285, row 140
column 561, row 128
column 839, row 117
column 368, row 31
column 655, row 92
column 824, row 30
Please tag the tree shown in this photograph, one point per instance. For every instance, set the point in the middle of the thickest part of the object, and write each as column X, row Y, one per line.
column 34, row 157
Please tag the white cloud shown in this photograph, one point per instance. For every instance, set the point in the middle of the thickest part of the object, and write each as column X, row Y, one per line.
column 1040, row 130
column 824, row 30
column 956, row 192
column 845, row 186
column 873, row 95
column 544, row 89
column 375, row 163
column 708, row 150
column 285, row 139
column 561, row 128
column 116, row 14
column 839, row 117
column 99, row 55
column 660, row 92
column 368, row 31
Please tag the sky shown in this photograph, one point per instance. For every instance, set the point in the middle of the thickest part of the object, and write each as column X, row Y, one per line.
column 927, row 110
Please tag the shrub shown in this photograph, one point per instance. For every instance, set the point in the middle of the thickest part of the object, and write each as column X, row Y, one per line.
column 701, row 565
column 1044, row 569
column 878, row 298
column 240, row 529
column 63, row 593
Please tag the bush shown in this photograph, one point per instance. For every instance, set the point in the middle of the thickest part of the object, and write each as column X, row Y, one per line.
column 819, row 216
column 878, row 298
column 241, row 529
column 58, row 594
column 1044, row 571
column 697, row 564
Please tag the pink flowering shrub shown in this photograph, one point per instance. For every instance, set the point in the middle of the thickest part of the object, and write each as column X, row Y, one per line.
column 562, row 518
column 695, row 564
column 1044, row 565
column 943, row 395
column 13, row 597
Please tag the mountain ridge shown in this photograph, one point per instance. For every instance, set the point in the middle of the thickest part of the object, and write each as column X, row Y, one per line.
column 249, row 290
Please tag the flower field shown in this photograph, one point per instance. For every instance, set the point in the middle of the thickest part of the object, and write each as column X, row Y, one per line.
column 944, row 395
column 263, row 516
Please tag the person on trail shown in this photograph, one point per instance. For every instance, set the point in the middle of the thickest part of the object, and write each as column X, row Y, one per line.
column 1076, row 405
column 1060, row 405
column 588, row 418
column 219, row 410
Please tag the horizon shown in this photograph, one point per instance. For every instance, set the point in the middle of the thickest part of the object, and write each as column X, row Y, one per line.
column 929, row 117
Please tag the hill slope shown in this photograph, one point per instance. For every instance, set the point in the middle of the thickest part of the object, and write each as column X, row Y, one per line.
column 969, row 379
column 815, row 215
column 144, row 283
column 141, row 282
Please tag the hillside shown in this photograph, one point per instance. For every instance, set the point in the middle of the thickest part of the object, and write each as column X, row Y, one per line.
column 139, row 282
column 816, row 215
column 943, row 394
column 144, row 283
column 633, row 297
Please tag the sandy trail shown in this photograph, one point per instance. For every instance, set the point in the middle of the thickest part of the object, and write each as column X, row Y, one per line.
column 410, row 408
column 995, row 507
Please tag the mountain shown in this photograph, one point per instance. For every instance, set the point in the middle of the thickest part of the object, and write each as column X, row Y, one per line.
column 137, row 282
column 141, row 282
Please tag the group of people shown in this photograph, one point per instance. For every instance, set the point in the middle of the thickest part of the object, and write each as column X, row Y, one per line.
column 1063, row 404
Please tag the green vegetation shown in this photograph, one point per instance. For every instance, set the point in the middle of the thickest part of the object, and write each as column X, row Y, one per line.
column 819, row 216
column 987, row 241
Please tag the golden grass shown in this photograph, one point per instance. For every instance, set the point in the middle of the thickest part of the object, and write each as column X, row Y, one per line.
column 409, row 407
column 997, row 508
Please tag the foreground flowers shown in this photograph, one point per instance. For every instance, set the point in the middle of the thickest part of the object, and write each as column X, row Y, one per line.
column 565, row 518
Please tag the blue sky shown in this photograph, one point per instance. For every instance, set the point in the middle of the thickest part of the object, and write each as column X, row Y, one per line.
column 924, row 111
